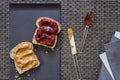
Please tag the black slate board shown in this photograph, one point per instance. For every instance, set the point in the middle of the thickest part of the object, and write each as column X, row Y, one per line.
column 22, row 27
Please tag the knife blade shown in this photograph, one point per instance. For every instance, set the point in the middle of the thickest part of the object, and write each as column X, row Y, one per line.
column 72, row 41
column 74, row 51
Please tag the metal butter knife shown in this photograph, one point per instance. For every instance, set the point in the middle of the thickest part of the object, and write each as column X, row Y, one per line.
column 87, row 22
column 74, row 51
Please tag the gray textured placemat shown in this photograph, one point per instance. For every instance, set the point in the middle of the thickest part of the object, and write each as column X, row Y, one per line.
column 106, row 21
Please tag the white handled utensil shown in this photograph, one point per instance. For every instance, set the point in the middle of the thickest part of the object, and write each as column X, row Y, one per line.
column 74, row 51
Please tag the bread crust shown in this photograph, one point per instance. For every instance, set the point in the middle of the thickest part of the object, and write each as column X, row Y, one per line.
column 37, row 24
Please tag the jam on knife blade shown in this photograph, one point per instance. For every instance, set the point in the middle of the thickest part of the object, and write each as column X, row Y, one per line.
column 88, row 19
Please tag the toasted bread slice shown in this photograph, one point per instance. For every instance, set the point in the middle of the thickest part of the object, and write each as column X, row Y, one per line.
column 37, row 24
column 24, row 57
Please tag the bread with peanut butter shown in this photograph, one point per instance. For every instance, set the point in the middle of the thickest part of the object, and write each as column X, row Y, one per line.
column 24, row 57
column 47, row 32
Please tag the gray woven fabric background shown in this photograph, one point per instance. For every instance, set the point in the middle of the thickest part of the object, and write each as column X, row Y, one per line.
column 106, row 22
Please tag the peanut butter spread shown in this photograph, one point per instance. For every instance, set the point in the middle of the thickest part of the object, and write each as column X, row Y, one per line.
column 24, row 56
column 70, row 33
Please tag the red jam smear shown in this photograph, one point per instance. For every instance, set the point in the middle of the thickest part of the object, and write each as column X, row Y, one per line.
column 88, row 19
column 46, row 34
column 48, row 26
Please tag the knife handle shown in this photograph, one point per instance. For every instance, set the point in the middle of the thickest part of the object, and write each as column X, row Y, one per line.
column 83, row 39
column 76, row 64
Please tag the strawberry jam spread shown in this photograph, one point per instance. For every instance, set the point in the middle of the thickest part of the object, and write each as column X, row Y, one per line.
column 47, row 32
column 88, row 19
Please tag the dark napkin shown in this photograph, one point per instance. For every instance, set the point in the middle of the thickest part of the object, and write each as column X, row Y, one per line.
column 104, row 74
column 113, row 55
